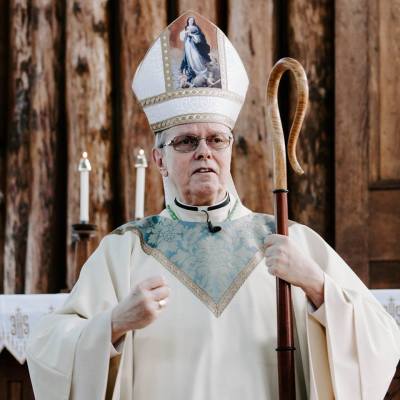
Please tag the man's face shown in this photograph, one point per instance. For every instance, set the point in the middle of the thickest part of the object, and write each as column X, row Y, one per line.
column 200, row 176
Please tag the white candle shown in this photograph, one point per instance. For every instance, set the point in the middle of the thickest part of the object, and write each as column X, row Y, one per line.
column 84, row 169
column 141, row 165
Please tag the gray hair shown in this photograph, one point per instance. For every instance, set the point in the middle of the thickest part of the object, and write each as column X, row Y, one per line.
column 160, row 138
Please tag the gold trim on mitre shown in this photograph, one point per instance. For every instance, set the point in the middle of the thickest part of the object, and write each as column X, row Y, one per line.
column 190, row 118
column 192, row 92
column 166, row 61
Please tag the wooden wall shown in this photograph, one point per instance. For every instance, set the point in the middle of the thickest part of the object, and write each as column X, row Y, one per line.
column 367, row 123
column 65, row 77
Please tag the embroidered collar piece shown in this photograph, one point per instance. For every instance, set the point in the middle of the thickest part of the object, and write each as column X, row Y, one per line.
column 212, row 267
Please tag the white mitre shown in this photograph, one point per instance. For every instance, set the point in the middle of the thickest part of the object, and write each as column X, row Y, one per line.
column 191, row 73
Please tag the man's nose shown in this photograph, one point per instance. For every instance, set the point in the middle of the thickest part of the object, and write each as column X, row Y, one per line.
column 203, row 151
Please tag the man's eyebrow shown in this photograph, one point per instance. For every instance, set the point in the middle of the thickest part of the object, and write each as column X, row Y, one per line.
column 217, row 131
column 211, row 132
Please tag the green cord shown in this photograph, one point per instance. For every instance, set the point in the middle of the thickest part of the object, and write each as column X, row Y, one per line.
column 172, row 213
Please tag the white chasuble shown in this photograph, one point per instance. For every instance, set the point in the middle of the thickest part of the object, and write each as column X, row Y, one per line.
column 216, row 338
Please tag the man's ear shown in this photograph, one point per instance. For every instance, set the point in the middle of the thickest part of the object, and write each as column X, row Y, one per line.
column 158, row 158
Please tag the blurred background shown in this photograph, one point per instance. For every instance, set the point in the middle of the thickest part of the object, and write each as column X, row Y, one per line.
column 65, row 75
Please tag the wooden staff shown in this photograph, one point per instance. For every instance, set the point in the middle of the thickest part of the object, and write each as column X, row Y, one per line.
column 285, row 349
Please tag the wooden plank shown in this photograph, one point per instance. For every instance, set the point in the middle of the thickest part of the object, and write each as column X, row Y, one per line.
column 140, row 22
column 251, row 30
column 207, row 8
column 384, row 88
column 309, row 38
column 18, row 187
column 15, row 383
column 385, row 274
column 384, row 225
column 389, row 56
column 374, row 91
column 41, row 267
column 351, row 106
column 89, row 116
column 4, row 25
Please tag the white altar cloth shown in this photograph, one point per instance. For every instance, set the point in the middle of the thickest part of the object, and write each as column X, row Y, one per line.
column 18, row 314
column 390, row 299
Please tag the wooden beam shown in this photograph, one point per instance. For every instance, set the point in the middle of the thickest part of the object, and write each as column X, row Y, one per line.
column 351, row 132
column 251, row 29
column 18, row 181
column 310, row 38
column 140, row 22
column 207, row 8
column 89, row 113
column 4, row 43
column 45, row 36
column 29, row 256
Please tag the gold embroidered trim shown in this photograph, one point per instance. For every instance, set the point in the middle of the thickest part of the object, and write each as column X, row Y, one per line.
column 222, row 61
column 239, row 280
column 189, row 118
column 166, row 61
column 215, row 308
column 190, row 93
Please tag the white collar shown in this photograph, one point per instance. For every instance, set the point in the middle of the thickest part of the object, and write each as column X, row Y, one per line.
column 216, row 215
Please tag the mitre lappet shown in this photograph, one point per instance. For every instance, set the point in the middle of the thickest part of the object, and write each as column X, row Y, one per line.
column 191, row 73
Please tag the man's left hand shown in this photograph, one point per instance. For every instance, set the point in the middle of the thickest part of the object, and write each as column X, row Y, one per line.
column 287, row 261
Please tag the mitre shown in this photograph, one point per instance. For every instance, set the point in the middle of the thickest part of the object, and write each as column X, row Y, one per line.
column 191, row 73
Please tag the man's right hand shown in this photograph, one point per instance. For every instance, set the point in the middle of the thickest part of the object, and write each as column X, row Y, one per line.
column 140, row 308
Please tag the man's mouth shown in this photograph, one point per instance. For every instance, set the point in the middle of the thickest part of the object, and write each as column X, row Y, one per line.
column 203, row 171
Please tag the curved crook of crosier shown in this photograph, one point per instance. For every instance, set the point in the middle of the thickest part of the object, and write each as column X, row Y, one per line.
column 274, row 123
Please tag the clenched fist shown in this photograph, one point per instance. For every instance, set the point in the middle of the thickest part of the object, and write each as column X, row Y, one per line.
column 140, row 308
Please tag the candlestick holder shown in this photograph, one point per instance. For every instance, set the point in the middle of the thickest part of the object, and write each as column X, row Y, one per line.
column 81, row 235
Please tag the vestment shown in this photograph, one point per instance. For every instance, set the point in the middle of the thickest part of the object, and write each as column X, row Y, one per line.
column 196, row 351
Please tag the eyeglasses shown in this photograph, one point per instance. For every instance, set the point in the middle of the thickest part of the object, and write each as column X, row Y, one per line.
column 188, row 143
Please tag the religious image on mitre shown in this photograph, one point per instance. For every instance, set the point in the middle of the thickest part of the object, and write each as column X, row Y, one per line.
column 183, row 304
column 191, row 73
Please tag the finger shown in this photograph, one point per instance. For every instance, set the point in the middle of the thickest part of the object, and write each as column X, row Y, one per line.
column 272, row 259
column 277, row 272
column 272, row 239
column 153, row 282
column 270, row 251
column 164, row 303
column 275, row 238
column 160, row 293
column 159, row 307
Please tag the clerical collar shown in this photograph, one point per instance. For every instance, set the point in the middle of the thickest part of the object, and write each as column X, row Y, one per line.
column 220, row 208
column 221, row 204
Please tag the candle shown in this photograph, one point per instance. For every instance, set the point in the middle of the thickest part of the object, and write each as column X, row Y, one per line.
column 84, row 169
column 141, row 165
